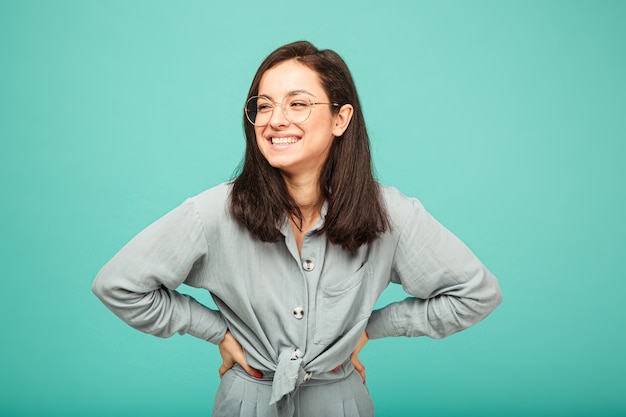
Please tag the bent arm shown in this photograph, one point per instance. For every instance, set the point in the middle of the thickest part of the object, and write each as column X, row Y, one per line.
column 139, row 283
column 451, row 289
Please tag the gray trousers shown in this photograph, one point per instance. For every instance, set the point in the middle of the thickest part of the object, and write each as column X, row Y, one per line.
column 240, row 395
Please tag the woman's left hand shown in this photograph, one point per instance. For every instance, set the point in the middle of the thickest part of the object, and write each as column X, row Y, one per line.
column 232, row 352
column 360, row 368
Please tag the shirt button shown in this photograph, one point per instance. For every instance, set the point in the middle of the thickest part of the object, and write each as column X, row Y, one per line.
column 308, row 265
column 307, row 376
column 298, row 313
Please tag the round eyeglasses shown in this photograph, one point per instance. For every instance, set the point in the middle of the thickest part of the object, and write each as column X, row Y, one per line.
column 296, row 108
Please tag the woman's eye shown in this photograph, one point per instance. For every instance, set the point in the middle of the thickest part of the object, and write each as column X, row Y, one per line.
column 263, row 107
column 299, row 104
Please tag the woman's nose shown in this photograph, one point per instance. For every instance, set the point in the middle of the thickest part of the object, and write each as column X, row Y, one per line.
column 278, row 117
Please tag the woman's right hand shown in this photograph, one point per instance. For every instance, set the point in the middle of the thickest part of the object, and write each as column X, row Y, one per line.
column 358, row 365
column 232, row 353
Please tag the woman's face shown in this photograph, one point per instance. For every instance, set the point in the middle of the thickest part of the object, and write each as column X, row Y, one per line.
column 297, row 148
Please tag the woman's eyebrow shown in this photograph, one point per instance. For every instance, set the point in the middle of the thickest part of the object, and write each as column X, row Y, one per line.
column 296, row 92
column 289, row 94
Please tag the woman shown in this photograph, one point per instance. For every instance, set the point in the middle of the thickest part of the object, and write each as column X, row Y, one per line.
column 295, row 252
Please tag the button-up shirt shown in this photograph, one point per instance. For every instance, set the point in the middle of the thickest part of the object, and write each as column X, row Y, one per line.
column 296, row 315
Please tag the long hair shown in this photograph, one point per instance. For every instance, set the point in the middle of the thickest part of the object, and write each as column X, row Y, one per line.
column 356, row 213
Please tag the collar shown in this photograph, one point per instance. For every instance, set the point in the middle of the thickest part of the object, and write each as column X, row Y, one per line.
column 285, row 227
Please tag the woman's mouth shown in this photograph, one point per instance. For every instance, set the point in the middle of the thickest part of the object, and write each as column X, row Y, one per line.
column 285, row 140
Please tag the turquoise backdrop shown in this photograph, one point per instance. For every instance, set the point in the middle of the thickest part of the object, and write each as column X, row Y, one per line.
column 506, row 118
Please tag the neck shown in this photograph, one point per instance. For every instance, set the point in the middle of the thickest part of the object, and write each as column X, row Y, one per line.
column 305, row 190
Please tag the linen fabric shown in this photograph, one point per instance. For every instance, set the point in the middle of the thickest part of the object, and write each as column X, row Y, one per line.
column 296, row 315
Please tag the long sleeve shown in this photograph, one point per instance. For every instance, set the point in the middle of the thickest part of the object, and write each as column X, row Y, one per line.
column 451, row 289
column 139, row 283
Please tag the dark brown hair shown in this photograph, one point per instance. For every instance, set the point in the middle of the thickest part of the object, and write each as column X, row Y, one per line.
column 356, row 213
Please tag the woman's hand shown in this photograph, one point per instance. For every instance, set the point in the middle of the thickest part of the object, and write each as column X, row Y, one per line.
column 360, row 368
column 232, row 353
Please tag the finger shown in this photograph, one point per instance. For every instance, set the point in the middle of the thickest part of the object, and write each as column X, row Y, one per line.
column 362, row 373
column 222, row 370
column 360, row 368
column 251, row 371
column 227, row 363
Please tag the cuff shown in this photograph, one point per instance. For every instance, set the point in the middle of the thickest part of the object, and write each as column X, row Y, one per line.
column 207, row 324
column 379, row 325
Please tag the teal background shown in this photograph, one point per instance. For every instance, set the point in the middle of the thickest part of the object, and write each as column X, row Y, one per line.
column 506, row 118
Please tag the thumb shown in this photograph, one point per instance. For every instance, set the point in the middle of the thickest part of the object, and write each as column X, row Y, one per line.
column 223, row 369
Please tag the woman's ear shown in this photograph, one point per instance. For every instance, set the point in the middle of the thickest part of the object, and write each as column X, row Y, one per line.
column 342, row 119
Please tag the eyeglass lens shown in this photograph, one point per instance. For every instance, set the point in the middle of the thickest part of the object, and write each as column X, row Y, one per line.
column 295, row 108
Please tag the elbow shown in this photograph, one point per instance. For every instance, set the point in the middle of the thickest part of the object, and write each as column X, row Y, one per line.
column 491, row 297
column 495, row 298
column 103, row 287
column 483, row 300
column 98, row 287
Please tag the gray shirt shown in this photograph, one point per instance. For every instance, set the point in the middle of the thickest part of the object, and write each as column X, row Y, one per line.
column 297, row 316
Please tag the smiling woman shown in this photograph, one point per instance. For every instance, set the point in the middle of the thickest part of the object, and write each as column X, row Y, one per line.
column 297, row 139
column 295, row 252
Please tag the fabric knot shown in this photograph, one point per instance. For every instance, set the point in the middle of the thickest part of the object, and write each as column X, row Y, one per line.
column 289, row 374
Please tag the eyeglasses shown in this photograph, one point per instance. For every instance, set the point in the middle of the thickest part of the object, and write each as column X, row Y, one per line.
column 296, row 108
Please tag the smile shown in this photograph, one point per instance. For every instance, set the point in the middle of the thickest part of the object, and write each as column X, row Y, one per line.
column 285, row 141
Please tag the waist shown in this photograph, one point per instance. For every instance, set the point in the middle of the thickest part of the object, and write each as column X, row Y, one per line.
column 316, row 378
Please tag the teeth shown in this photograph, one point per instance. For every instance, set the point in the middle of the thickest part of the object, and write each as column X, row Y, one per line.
column 284, row 141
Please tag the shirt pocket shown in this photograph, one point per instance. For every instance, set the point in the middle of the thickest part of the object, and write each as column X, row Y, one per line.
column 343, row 304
